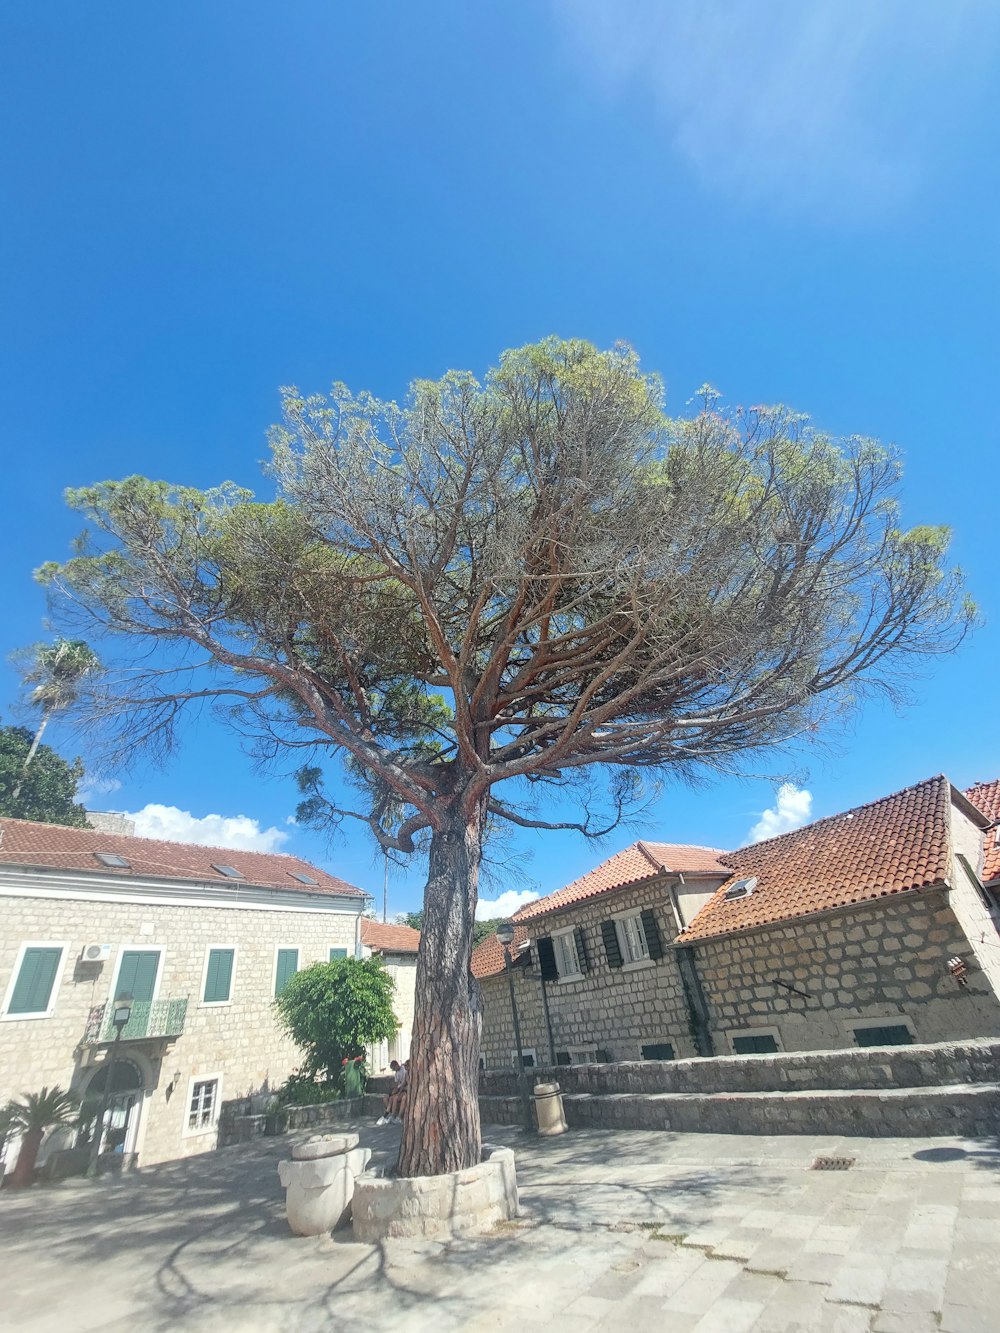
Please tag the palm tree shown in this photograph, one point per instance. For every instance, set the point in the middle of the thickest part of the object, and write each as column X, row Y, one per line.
column 54, row 673
column 52, row 1108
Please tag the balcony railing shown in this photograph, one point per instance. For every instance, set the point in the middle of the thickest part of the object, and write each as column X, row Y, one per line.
column 149, row 1018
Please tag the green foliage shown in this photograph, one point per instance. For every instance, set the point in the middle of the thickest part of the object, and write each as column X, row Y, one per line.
column 303, row 1089
column 48, row 788
column 415, row 920
column 334, row 1010
column 54, row 671
column 52, row 1108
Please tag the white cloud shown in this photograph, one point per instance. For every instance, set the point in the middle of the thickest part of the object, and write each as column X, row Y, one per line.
column 824, row 107
column 506, row 905
column 790, row 811
column 237, row 831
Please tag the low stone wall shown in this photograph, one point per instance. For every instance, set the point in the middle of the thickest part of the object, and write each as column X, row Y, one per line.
column 236, row 1128
column 456, row 1204
column 875, row 1068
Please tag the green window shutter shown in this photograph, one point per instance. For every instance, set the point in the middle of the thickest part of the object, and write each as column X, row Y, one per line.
column 288, row 965
column 658, row 1050
column 893, row 1034
column 219, row 976
column 137, row 974
column 33, row 988
column 337, row 953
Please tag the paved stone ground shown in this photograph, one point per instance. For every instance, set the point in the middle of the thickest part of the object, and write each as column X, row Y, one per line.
column 635, row 1231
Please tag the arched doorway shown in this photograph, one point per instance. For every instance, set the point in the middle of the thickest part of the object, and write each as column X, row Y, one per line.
column 121, row 1121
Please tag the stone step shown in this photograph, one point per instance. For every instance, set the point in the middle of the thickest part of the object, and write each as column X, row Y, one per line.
column 871, row 1068
column 959, row 1109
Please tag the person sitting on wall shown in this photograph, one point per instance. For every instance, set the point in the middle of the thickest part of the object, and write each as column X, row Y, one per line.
column 394, row 1100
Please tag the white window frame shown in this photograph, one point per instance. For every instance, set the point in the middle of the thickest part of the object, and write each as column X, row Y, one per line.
column 280, row 948
column 630, row 964
column 886, row 1021
column 569, row 934
column 755, row 1032
column 63, row 946
column 188, row 1132
column 123, row 949
column 526, row 1051
column 575, row 1052
column 218, row 1004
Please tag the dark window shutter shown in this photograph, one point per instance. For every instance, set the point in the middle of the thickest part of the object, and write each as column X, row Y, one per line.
column 581, row 949
column 612, row 948
column 658, row 1050
column 652, row 932
column 562, row 1058
column 603, row 1057
column 547, row 958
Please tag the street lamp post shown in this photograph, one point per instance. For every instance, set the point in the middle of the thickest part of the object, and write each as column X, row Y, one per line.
column 120, row 1015
column 505, row 934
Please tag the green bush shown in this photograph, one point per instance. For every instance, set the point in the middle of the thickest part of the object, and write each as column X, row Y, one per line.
column 334, row 1010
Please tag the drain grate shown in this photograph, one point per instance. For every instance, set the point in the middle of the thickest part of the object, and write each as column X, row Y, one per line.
column 833, row 1163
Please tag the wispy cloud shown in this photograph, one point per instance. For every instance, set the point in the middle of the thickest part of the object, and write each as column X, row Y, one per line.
column 504, row 906
column 791, row 810
column 90, row 789
column 237, row 831
column 827, row 106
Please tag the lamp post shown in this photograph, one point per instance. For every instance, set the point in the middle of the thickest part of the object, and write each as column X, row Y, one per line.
column 120, row 1015
column 505, row 934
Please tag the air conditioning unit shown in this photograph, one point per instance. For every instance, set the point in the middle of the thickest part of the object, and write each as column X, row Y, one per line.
column 95, row 953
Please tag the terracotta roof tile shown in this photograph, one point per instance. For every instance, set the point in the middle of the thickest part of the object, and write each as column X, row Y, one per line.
column 487, row 956
column 897, row 843
column 389, row 938
column 26, row 843
column 985, row 796
column 643, row 860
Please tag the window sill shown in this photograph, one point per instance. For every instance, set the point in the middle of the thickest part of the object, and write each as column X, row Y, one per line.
column 200, row 1133
column 572, row 976
column 214, row 1004
column 14, row 1018
column 638, row 966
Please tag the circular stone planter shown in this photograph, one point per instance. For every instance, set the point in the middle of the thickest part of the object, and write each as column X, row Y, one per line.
column 319, row 1182
column 455, row 1204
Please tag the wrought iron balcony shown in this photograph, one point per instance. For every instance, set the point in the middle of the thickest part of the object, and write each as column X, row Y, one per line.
column 149, row 1019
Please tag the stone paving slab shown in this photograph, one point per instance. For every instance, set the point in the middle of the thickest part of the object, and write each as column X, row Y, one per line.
column 621, row 1230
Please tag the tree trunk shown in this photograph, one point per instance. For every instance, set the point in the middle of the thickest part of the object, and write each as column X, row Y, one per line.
column 27, row 1156
column 441, row 1119
column 28, row 758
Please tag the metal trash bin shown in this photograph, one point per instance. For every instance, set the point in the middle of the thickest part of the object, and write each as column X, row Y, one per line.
column 549, row 1110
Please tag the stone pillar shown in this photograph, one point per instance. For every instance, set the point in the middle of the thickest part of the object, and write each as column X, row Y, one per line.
column 319, row 1182
column 549, row 1109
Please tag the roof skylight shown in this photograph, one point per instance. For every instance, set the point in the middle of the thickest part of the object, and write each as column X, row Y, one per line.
column 229, row 871
column 741, row 889
column 114, row 860
column 303, row 879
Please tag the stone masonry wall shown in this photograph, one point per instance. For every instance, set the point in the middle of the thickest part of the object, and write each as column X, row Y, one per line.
column 240, row 1041
column 883, row 960
column 887, row 959
column 614, row 1009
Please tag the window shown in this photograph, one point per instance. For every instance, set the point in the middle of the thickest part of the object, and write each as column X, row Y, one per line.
column 884, row 1034
column 658, row 1050
column 203, row 1105
column 337, row 953
column 229, row 871
column 632, row 939
column 303, row 879
column 529, row 1057
column 114, row 860
column 585, row 1055
column 755, row 1041
column 285, row 966
column 567, row 957
column 218, row 987
column 33, row 987
column 741, row 889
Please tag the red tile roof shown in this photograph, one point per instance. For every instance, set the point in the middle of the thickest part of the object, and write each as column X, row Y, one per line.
column 487, row 956
column 641, row 861
column 387, row 938
column 26, row 843
column 897, row 843
column 985, row 796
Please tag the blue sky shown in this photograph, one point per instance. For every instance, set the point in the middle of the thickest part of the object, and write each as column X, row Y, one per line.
column 794, row 201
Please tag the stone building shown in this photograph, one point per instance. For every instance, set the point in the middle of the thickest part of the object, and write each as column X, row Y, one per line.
column 397, row 947
column 203, row 939
column 872, row 927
